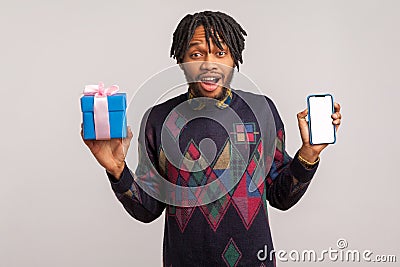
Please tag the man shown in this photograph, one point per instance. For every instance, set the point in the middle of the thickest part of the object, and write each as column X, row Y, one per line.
column 233, row 227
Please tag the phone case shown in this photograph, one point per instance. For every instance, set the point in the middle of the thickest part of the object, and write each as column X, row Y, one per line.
column 309, row 119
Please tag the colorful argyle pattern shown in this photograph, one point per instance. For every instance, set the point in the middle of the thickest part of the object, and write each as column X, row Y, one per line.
column 245, row 133
column 246, row 202
column 229, row 229
column 174, row 123
column 231, row 254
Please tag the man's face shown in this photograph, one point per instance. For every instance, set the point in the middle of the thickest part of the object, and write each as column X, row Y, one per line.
column 208, row 73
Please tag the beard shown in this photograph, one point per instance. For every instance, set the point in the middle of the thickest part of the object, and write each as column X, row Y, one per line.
column 196, row 89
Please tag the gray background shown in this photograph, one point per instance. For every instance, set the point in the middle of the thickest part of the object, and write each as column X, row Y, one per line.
column 57, row 208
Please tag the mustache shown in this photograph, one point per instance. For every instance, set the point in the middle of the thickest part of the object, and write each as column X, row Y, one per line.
column 213, row 74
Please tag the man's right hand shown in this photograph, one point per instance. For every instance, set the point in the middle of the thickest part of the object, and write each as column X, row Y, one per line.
column 110, row 153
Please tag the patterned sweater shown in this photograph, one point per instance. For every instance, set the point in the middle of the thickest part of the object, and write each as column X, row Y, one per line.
column 230, row 230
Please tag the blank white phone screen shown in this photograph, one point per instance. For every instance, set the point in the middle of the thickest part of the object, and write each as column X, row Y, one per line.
column 320, row 111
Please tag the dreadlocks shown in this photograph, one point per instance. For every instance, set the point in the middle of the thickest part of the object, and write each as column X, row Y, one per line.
column 215, row 24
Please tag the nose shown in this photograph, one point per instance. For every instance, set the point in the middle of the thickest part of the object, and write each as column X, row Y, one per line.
column 208, row 63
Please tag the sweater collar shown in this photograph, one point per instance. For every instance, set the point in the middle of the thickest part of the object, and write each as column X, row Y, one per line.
column 200, row 103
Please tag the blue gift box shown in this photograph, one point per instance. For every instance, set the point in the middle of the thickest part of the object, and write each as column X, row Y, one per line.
column 116, row 114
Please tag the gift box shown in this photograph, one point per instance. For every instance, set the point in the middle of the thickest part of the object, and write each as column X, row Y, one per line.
column 104, row 113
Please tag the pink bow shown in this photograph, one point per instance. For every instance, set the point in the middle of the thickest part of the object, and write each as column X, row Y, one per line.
column 100, row 108
column 99, row 90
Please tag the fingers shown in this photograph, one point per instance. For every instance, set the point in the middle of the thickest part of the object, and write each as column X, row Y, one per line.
column 302, row 115
column 85, row 141
column 337, row 116
column 127, row 140
column 89, row 143
column 336, row 122
column 336, row 107
column 130, row 134
column 303, row 125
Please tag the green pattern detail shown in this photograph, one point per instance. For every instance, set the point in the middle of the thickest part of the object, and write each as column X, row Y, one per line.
column 214, row 211
column 264, row 199
column 198, row 176
column 172, row 210
column 237, row 167
column 215, row 208
column 180, row 122
column 231, row 254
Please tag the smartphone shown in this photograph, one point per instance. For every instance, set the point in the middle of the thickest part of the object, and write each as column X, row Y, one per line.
column 320, row 110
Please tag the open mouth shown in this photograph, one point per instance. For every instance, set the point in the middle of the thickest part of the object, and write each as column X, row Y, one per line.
column 209, row 83
column 210, row 79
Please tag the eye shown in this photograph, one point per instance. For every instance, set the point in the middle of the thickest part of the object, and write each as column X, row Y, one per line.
column 221, row 53
column 195, row 55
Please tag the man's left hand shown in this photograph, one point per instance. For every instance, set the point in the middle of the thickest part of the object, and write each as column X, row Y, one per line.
column 311, row 152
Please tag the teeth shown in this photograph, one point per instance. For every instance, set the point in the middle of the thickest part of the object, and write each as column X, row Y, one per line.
column 209, row 79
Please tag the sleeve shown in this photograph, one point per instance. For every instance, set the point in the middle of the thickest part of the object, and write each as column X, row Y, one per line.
column 288, row 179
column 129, row 188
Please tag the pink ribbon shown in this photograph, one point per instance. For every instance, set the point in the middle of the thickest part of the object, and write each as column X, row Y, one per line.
column 100, row 108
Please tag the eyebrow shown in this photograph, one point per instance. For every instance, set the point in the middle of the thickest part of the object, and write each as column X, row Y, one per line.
column 196, row 43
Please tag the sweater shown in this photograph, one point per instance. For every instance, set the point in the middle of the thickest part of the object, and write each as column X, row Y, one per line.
column 223, row 225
